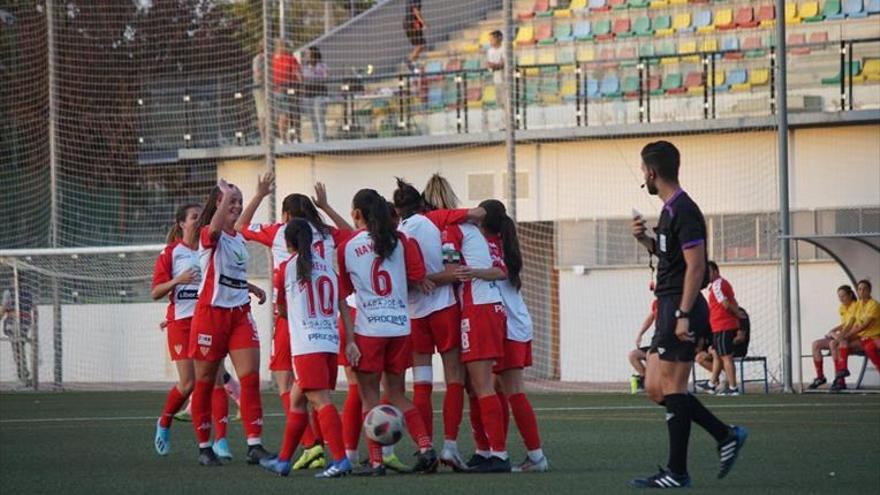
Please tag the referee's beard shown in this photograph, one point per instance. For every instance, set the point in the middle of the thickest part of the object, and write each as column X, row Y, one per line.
column 652, row 187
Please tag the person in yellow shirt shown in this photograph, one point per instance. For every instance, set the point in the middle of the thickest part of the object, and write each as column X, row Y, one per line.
column 848, row 304
column 862, row 332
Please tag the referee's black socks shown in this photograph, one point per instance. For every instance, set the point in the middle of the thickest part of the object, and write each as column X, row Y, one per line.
column 678, row 422
column 708, row 421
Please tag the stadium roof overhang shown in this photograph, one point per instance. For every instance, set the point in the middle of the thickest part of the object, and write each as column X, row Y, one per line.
column 857, row 254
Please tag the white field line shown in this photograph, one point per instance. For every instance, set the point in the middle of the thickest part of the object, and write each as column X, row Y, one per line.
column 537, row 409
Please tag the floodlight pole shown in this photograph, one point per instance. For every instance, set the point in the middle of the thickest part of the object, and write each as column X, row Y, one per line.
column 57, row 340
column 784, row 214
column 509, row 114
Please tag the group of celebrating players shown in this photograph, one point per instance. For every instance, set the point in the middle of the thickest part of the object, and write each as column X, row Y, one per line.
column 408, row 278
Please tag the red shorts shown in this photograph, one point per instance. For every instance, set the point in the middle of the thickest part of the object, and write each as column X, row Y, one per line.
column 216, row 331
column 517, row 355
column 440, row 329
column 178, row 338
column 279, row 359
column 483, row 330
column 316, row 371
column 343, row 361
column 388, row 354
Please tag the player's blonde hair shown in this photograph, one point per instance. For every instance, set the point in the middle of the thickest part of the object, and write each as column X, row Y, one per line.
column 439, row 193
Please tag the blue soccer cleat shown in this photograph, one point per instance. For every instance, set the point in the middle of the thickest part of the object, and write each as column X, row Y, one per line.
column 336, row 469
column 162, row 442
column 663, row 479
column 275, row 465
column 221, row 448
column 728, row 450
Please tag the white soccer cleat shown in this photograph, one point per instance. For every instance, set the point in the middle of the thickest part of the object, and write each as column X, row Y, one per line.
column 450, row 456
column 530, row 466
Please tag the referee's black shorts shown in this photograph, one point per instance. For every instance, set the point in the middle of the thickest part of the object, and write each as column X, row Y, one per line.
column 665, row 343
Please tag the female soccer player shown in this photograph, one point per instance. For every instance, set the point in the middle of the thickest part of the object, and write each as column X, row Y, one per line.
column 861, row 333
column 500, row 231
column 378, row 263
column 308, row 295
column 177, row 273
column 222, row 322
column 846, row 310
column 272, row 236
column 435, row 317
column 483, row 326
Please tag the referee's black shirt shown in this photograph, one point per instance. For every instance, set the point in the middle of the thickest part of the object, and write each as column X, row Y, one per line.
column 681, row 227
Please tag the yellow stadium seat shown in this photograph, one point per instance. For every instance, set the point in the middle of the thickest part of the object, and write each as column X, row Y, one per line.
column 529, row 59
column 719, row 78
column 525, row 35
column 677, row 2
column 562, row 13
column 709, row 45
column 689, row 46
column 468, row 47
column 485, row 38
column 681, row 21
column 659, row 4
column 490, row 95
column 870, row 72
column 723, row 18
column 791, row 14
column 809, row 9
column 585, row 54
column 759, row 77
column 568, row 89
column 741, row 87
column 547, row 57
column 577, row 5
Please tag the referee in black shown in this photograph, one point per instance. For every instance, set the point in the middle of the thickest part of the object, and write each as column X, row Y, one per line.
column 682, row 313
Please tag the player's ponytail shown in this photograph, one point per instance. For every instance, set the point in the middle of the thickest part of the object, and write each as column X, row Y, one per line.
column 498, row 222
column 175, row 233
column 439, row 194
column 209, row 209
column 377, row 216
column 300, row 206
column 407, row 199
column 298, row 235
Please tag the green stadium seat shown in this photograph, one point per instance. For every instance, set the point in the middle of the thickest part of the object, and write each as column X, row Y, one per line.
column 672, row 84
column 566, row 58
column 832, row 9
column 642, row 26
column 472, row 65
column 602, row 30
column 663, row 25
column 638, row 4
column 617, row 4
column 630, row 87
column 855, row 70
column 562, row 32
column 666, row 49
column 647, row 50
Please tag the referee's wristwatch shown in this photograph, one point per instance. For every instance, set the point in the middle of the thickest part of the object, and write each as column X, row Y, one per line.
column 679, row 314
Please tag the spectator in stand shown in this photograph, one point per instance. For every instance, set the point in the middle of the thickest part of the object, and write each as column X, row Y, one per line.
column 414, row 25
column 861, row 333
column 259, row 93
column 724, row 319
column 315, row 91
column 17, row 325
column 846, row 310
column 286, row 75
column 496, row 61
column 639, row 355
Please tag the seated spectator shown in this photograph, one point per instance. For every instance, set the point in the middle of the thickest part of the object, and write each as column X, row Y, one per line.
column 861, row 333
column 724, row 320
column 709, row 358
column 639, row 355
column 846, row 310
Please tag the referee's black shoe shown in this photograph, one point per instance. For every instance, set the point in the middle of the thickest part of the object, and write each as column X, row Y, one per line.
column 663, row 479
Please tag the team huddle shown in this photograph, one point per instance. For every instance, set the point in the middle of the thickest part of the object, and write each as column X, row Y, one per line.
column 404, row 280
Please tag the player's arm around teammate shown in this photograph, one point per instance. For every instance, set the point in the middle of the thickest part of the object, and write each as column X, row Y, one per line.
column 222, row 323
column 847, row 298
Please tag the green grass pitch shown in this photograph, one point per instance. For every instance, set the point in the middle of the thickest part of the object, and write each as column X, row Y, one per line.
column 101, row 442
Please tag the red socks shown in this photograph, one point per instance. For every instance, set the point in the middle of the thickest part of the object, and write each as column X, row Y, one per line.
column 490, row 412
column 251, row 407
column 219, row 411
column 525, row 419
column 481, row 442
column 201, row 412
column 374, row 448
column 351, row 418
column 820, row 372
column 416, row 428
column 331, row 427
column 293, row 430
column 842, row 359
column 453, row 407
column 872, row 352
column 422, row 401
column 285, row 403
column 505, row 411
column 173, row 402
column 315, row 426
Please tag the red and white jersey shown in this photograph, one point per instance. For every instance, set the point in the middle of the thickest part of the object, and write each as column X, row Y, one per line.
column 719, row 318
column 519, row 321
column 224, row 270
column 380, row 284
column 311, row 307
column 271, row 235
column 475, row 252
column 175, row 259
column 426, row 230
